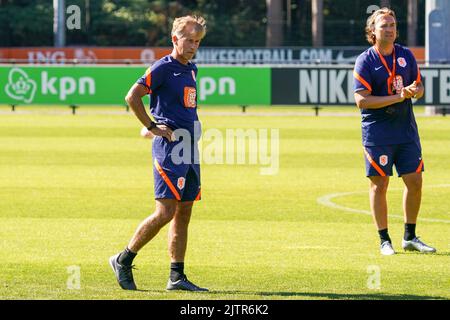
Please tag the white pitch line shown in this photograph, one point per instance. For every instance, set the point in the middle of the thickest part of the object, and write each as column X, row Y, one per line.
column 326, row 200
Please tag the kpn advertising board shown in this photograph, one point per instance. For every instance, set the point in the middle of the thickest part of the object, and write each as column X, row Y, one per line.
column 78, row 85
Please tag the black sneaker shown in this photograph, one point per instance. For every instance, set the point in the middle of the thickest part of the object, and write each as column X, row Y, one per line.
column 124, row 274
column 184, row 284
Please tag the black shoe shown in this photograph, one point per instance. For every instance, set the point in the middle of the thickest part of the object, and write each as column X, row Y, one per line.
column 124, row 274
column 184, row 284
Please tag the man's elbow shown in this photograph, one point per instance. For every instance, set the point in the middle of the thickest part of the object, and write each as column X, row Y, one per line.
column 360, row 103
column 129, row 98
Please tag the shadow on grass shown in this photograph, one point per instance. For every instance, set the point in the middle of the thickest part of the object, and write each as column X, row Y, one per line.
column 151, row 291
column 335, row 296
column 306, row 295
column 421, row 254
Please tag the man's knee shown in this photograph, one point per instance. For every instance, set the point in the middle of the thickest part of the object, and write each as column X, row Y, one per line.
column 379, row 185
column 165, row 210
column 413, row 181
column 185, row 206
column 183, row 211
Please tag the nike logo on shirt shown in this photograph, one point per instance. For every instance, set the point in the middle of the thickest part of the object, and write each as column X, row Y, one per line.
column 376, row 69
column 176, row 74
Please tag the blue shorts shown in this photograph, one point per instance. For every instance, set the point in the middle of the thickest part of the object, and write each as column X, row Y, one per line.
column 406, row 157
column 179, row 181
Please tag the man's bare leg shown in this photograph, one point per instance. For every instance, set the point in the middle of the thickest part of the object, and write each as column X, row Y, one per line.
column 178, row 231
column 412, row 196
column 149, row 228
column 379, row 209
column 378, row 203
column 177, row 237
column 121, row 263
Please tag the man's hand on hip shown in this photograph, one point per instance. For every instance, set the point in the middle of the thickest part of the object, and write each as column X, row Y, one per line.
column 163, row 131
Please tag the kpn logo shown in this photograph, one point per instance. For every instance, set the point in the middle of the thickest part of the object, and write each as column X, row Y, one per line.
column 222, row 86
column 21, row 87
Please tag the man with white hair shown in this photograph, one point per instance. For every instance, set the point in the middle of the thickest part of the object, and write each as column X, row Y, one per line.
column 171, row 83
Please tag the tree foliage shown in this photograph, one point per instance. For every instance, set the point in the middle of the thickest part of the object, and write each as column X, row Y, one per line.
column 229, row 22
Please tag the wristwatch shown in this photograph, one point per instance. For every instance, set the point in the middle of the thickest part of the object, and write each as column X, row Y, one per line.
column 152, row 125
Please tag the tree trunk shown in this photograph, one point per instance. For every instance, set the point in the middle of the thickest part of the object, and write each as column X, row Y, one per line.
column 412, row 23
column 385, row 3
column 274, row 31
column 317, row 22
column 59, row 23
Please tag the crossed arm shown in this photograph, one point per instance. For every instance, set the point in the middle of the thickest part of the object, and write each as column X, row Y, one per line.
column 365, row 100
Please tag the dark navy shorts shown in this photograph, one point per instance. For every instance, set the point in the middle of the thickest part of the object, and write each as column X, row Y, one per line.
column 406, row 157
column 172, row 179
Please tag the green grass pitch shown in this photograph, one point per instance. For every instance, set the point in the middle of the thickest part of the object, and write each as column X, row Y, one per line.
column 74, row 188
